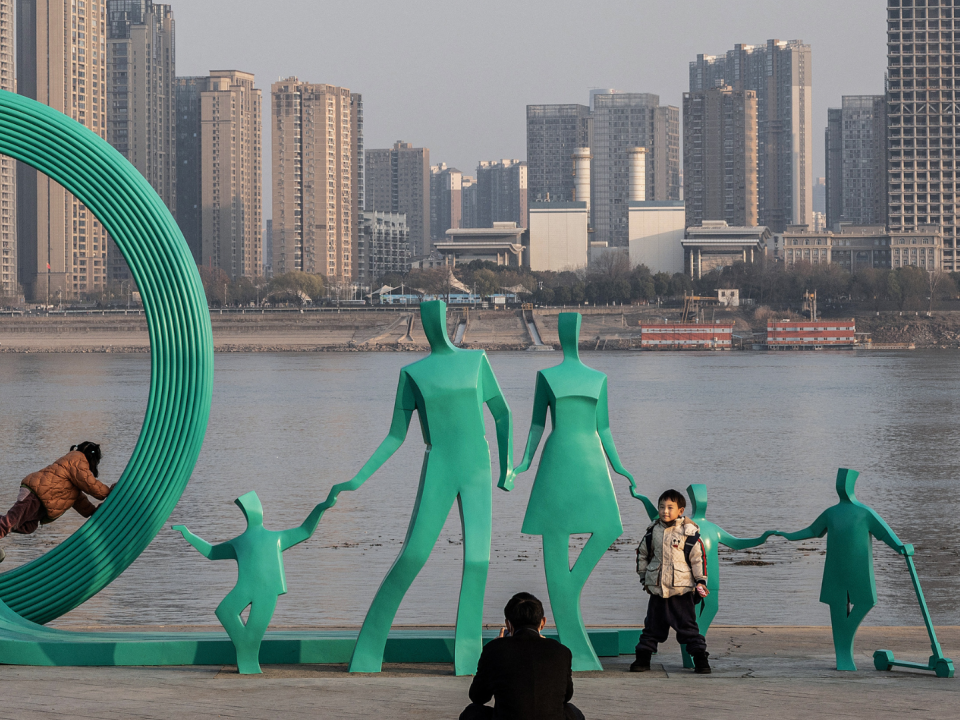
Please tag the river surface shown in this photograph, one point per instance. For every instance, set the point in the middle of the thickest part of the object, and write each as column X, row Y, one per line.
column 765, row 432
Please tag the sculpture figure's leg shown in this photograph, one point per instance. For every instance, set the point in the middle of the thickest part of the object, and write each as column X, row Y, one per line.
column 565, row 586
column 429, row 514
column 476, row 521
column 844, row 625
column 706, row 612
column 228, row 613
column 261, row 611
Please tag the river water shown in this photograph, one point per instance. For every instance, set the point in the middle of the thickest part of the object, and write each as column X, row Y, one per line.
column 765, row 432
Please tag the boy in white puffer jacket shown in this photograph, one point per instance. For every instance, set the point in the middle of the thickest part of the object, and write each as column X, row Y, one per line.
column 672, row 565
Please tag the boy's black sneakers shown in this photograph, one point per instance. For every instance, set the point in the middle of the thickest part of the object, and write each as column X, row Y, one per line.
column 701, row 665
column 642, row 663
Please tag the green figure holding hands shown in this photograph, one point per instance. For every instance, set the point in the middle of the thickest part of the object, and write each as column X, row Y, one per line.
column 573, row 492
column 260, row 576
column 712, row 536
column 447, row 389
column 848, row 585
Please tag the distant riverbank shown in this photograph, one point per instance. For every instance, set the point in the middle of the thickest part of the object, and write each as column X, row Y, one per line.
column 373, row 330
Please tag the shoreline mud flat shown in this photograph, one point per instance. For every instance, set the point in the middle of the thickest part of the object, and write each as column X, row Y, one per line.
column 613, row 328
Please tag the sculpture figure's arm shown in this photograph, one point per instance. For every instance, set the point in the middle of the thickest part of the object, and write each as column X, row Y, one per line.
column 606, row 439
column 742, row 543
column 817, row 529
column 541, row 401
column 223, row 551
column 295, row 536
column 494, row 399
column 403, row 408
column 880, row 530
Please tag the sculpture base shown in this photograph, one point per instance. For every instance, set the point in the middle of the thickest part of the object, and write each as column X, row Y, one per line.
column 25, row 643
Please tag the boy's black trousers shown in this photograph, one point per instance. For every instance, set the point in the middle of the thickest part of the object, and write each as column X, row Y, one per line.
column 677, row 612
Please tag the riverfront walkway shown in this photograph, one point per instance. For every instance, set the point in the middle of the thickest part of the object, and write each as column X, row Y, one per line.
column 759, row 672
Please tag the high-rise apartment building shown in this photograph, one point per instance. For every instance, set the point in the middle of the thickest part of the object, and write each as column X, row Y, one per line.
column 219, row 176
column 384, row 247
column 468, row 202
column 922, row 95
column 398, row 181
column 189, row 167
column 553, row 133
column 317, row 146
column 621, row 122
column 501, row 192
column 9, row 285
column 856, row 155
column 720, row 156
column 446, row 200
column 781, row 74
column 61, row 62
column 142, row 100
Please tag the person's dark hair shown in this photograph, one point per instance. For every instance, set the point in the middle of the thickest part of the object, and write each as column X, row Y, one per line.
column 676, row 496
column 524, row 610
column 91, row 451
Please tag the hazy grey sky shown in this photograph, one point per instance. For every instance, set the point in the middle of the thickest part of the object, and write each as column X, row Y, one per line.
column 456, row 76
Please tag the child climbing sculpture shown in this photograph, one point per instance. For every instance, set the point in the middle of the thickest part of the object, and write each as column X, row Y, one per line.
column 447, row 389
column 712, row 536
column 848, row 584
column 572, row 492
column 260, row 576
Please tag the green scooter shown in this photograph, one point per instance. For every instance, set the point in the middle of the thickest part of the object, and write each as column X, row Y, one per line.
column 942, row 666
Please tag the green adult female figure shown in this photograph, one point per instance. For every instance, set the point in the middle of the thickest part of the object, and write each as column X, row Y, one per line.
column 848, row 584
column 447, row 389
column 573, row 492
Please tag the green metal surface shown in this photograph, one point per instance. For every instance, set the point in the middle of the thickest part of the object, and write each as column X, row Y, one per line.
column 713, row 536
column 942, row 666
column 848, row 584
column 181, row 379
column 447, row 389
column 573, row 492
column 260, row 577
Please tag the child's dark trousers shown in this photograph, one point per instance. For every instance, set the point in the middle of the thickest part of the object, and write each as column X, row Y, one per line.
column 678, row 612
column 24, row 516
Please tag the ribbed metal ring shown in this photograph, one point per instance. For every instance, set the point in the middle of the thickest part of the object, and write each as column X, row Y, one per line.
column 181, row 343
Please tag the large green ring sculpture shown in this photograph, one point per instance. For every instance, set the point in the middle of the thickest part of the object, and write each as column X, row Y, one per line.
column 181, row 342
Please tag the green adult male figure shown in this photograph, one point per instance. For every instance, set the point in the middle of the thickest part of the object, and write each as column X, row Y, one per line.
column 713, row 536
column 260, row 577
column 848, row 584
column 447, row 389
column 573, row 492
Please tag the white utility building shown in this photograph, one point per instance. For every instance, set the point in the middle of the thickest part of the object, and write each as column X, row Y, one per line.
column 656, row 232
column 558, row 236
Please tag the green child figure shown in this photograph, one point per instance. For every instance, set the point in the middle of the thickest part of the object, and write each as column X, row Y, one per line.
column 260, row 576
column 713, row 536
column 848, row 585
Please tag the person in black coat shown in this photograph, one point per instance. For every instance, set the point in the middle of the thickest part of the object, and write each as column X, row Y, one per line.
column 529, row 676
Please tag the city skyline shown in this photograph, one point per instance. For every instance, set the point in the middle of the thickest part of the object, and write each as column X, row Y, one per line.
column 475, row 110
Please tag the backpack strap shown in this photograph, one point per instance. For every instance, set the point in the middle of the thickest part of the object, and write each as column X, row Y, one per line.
column 648, row 538
column 688, row 546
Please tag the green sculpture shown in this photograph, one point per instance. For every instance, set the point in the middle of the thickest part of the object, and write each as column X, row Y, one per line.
column 848, row 585
column 260, row 576
column 447, row 389
column 713, row 536
column 573, row 492
column 181, row 358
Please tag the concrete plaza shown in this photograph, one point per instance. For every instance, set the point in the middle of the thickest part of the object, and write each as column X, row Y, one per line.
column 759, row 672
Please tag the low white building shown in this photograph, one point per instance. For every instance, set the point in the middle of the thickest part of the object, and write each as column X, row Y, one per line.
column 656, row 231
column 558, row 236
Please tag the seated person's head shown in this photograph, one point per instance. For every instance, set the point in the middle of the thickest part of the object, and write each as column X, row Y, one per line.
column 524, row 611
column 671, row 505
